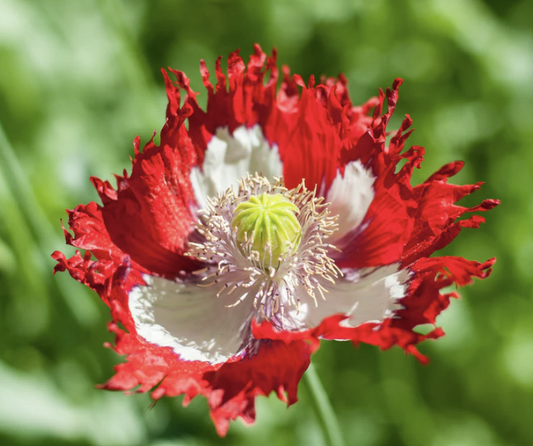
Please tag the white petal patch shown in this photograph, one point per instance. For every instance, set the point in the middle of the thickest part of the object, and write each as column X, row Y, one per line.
column 367, row 295
column 350, row 197
column 191, row 319
column 228, row 158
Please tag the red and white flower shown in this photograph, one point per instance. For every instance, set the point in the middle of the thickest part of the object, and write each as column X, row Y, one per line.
column 205, row 300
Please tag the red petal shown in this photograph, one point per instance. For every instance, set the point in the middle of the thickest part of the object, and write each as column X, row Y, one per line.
column 423, row 303
column 151, row 217
column 403, row 223
column 278, row 366
column 245, row 101
column 310, row 130
column 230, row 388
column 383, row 233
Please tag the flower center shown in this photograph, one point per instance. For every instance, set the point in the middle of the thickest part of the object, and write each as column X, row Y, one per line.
column 269, row 222
column 267, row 245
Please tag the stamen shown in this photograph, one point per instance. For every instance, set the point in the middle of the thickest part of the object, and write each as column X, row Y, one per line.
column 267, row 240
column 200, row 271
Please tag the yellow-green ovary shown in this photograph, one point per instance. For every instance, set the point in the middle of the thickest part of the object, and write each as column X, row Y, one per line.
column 271, row 220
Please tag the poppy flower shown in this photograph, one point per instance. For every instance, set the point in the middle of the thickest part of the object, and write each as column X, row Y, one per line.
column 260, row 226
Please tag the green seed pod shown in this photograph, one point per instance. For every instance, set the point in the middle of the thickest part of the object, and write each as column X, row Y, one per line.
column 270, row 219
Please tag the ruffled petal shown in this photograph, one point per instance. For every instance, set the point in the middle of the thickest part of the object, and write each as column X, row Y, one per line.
column 277, row 367
column 435, row 222
column 313, row 129
column 310, row 130
column 311, row 147
column 403, row 223
column 230, row 387
column 151, row 213
column 243, row 98
column 422, row 303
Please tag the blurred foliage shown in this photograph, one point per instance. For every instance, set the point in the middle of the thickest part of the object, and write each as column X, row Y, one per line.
column 79, row 79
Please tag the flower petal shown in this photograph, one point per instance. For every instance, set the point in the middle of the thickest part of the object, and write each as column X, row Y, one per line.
column 436, row 223
column 151, row 214
column 370, row 295
column 350, row 196
column 230, row 387
column 229, row 157
column 190, row 319
column 311, row 148
column 403, row 223
column 248, row 100
column 422, row 303
column 277, row 367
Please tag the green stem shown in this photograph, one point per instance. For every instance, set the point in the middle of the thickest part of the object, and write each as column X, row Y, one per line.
column 323, row 409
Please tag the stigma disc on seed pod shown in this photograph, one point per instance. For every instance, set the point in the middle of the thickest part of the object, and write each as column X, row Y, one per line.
column 269, row 223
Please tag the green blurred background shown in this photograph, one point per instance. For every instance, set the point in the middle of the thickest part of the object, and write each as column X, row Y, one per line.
column 80, row 79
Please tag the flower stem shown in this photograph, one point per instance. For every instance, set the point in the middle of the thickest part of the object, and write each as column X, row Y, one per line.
column 323, row 409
